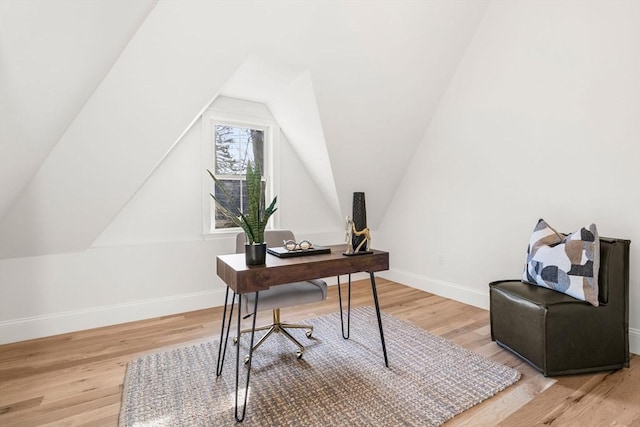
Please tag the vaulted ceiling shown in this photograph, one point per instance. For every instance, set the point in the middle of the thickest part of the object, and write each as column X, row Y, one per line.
column 95, row 94
column 53, row 56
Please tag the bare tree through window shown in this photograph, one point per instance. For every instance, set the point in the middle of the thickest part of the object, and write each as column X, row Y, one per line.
column 234, row 148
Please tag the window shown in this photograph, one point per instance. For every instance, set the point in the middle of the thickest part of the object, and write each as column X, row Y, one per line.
column 234, row 147
column 232, row 140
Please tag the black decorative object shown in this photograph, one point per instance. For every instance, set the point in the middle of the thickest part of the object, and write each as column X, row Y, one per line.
column 359, row 220
column 255, row 254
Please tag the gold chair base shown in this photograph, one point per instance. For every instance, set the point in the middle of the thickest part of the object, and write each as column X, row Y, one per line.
column 278, row 327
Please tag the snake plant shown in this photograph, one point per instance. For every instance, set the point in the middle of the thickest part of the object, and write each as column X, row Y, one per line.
column 254, row 221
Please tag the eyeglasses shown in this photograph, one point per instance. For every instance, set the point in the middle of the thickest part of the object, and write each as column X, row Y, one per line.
column 291, row 245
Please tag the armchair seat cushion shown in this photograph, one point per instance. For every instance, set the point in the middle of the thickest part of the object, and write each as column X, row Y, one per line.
column 533, row 294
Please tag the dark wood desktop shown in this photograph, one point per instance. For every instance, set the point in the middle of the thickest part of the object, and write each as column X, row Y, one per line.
column 241, row 279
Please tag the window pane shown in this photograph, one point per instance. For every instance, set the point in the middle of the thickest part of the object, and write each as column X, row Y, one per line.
column 235, row 146
column 233, row 188
column 237, row 189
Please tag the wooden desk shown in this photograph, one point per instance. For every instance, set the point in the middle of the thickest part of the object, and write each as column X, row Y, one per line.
column 241, row 279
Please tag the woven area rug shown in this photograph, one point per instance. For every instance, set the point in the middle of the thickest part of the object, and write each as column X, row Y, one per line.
column 338, row 382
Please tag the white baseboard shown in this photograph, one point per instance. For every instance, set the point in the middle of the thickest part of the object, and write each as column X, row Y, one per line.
column 28, row 328
column 634, row 341
column 442, row 288
column 468, row 295
column 71, row 321
column 95, row 317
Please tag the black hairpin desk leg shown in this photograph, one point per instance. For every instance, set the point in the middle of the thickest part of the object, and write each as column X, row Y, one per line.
column 222, row 348
column 253, row 331
column 375, row 300
column 377, row 304
column 345, row 336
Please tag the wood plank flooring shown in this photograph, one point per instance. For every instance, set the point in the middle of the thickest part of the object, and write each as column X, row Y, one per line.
column 76, row 379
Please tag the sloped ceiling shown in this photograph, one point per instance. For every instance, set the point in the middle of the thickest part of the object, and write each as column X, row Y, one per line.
column 375, row 71
column 288, row 92
column 53, row 56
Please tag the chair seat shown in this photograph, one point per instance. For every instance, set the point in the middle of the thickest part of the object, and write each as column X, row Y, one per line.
column 277, row 297
column 288, row 295
column 537, row 295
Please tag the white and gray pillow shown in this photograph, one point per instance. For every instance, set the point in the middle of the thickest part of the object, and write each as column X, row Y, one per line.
column 567, row 263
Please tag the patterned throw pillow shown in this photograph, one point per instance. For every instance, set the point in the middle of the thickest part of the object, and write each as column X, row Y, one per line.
column 564, row 263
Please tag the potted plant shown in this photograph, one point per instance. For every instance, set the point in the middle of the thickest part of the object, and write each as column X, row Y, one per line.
column 254, row 220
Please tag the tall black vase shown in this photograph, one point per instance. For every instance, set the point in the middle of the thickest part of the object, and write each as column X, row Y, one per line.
column 359, row 219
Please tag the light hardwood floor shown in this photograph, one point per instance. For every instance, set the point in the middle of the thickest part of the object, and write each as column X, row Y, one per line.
column 76, row 379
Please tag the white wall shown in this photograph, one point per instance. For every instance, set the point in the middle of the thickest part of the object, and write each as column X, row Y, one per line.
column 152, row 260
column 541, row 120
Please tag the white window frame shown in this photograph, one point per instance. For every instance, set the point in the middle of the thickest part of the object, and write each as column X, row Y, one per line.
column 244, row 114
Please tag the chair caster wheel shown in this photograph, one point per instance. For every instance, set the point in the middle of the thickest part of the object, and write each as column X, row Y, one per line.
column 246, row 359
column 235, row 340
column 308, row 334
column 299, row 354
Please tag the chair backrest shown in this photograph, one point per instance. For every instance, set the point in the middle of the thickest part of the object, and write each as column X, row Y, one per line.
column 272, row 237
column 613, row 276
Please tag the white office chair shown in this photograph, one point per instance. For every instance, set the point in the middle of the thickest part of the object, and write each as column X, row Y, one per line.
column 281, row 296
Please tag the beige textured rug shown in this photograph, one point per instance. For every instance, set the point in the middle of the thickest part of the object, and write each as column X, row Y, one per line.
column 338, row 382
